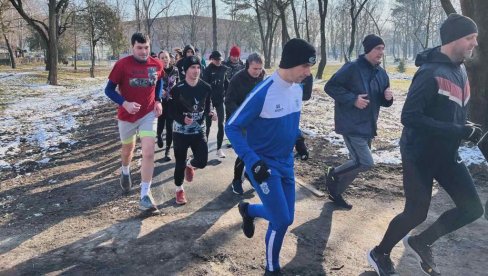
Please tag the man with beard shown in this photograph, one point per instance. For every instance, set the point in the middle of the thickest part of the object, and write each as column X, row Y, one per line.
column 434, row 120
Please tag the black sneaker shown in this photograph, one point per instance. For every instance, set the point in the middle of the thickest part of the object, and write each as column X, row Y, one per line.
column 160, row 142
column 381, row 263
column 247, row 221
column 166, row 158
column 340, row 201
column 237, row 187
column 125, row 182
column 423, row 253
column 330, row 180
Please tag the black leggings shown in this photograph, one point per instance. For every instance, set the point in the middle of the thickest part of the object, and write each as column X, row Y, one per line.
column 165, row 120
column 198, row 145
column 219, row 107
column 417, row 183
column 238, row 169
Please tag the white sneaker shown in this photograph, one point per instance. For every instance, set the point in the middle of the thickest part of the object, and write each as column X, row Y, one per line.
column 220, row 153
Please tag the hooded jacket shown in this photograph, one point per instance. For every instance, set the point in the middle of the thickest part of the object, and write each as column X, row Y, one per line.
column 179, row 64
column 355, row 78
column 434, row 113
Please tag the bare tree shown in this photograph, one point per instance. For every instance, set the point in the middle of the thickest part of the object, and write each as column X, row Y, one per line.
column 100, row 21
column 282, row 6
column 295, row 19
column 59, row 21
column 150, row 12
column 214, row 26
column 5, row 29
column 354, row 13
column 323, row 5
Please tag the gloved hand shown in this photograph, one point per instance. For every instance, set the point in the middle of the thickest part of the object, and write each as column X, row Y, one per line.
column 472, row 132
column 302, row 151
column 260, row 171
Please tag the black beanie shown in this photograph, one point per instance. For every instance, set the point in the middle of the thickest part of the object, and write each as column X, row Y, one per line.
column 215, row 55
column 297, row 52
column 371, row 41
column 189, row 61
column 455, row 27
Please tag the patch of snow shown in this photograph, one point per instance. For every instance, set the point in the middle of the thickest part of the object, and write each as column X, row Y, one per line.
column 472, row 155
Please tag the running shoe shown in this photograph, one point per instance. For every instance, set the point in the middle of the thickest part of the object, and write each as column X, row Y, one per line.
column 247, row 221
column 381, row 263
column 220, row 153
column 423, row 253
column 340, row 201
column 237, row 187
column 125, row 182
column 180, row 197
column 147, row 203
column 189, row 173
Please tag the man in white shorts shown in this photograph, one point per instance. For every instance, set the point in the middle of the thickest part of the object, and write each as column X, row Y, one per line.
column 139, row 80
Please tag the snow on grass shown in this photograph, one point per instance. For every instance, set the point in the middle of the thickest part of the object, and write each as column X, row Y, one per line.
column 43, row 116
column 317, row 120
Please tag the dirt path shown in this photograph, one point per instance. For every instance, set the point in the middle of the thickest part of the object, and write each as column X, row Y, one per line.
column 69, row 217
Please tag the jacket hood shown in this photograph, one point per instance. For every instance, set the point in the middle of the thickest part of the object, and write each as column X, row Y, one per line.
column 432, row 55
column 188, row 47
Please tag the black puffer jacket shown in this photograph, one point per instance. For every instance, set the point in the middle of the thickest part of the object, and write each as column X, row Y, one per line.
column 434, row 113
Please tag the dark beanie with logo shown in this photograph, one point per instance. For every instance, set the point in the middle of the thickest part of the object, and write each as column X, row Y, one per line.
column 371, row 41
column 189, row 61
column 455, row 27
column 297, row 52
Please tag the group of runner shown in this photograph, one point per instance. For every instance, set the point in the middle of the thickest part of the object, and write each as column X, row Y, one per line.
column 181, row 94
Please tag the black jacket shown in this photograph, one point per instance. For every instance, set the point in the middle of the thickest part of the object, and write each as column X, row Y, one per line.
column 234, row 67
column 216, row 76
column 354, row 78
column 434, row 113
column 239, row 87
column 190, row 101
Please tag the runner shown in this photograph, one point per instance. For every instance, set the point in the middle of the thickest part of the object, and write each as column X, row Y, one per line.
column 216, row 75
column 170, row 79
column 139, row 80
column 234, row 62
column 434, row 119
column 239, row 87
column 359, row 88
column 188, row 51
column 270, row 116
column 189, row 103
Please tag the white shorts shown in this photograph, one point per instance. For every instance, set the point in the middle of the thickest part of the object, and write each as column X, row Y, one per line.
column 145, row 127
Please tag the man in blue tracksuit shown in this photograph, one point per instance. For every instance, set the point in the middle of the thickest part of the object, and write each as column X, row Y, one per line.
column 359, row 88
column 270, row 115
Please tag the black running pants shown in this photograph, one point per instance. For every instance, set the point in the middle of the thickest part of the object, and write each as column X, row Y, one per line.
column 198, row 145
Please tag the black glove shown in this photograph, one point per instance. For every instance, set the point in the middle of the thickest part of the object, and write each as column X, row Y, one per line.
column 260, row 171
column 301, row 148
column 472, row 132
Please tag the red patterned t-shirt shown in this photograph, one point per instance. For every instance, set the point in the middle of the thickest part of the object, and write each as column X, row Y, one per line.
column 137, row 83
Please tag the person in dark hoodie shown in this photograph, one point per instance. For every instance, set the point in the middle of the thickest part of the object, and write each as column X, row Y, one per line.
column 239, row 87
column 170, row 79
column 434, row 120
column 216, row 75
column 188, row 51
column 359, row 89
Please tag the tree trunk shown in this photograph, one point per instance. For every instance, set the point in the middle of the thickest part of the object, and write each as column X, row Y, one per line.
column 284, row 29
column 477, row 69
column 448, row 7
column 295, row 19
column 214, row 26
column 10, row 52
column 92, row 68
column 307, row 29
column 323, row 52
column 53, row 47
